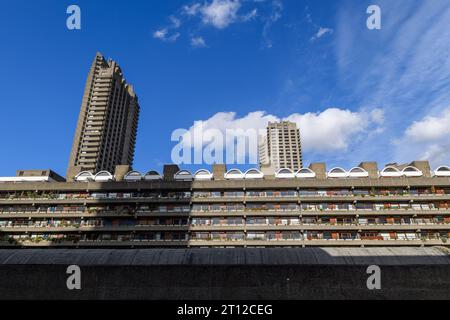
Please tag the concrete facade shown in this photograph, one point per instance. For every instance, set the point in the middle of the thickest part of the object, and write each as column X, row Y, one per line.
column 240, row 274
column 220, row 212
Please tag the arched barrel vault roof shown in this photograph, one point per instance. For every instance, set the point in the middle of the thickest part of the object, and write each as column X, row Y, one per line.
column 253, row 174
column 305, row 173
column 203, row 174
column 285, row 173
column 234, row 174
column 84, row 176
column 337, row 172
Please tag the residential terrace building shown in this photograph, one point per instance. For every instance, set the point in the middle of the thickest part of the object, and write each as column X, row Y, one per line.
column 365, row 206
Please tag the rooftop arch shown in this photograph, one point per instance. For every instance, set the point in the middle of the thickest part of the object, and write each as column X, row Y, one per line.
column 411, row 171
column 133, row 176
column 337, row 173
column 84, row 176
column 203, row 174
column 253, row 174
column 234, row 174
column 152, row 175
column 305, row 173
column 390, row 172
column 103, row 176
column 358, row 172
column 285, row 173
column 442, row 171
column 183, row 175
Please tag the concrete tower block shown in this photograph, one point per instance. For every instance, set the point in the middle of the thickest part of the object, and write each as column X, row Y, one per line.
column 106, row 130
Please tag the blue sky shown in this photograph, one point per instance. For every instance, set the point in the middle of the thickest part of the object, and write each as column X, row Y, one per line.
column 358, row 94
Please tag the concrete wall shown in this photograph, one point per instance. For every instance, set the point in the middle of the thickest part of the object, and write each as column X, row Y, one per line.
column 224, row 282
column 153, row 274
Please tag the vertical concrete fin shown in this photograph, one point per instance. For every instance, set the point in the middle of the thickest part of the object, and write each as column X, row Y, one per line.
column 371, row 167
column 169, row 171
column 320, row 169
column 219, row 171
column 423, row 166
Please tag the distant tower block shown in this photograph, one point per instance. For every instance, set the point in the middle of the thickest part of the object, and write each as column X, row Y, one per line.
column 281, row 147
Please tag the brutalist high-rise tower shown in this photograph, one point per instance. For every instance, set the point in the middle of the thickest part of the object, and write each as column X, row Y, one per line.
column 107, row 125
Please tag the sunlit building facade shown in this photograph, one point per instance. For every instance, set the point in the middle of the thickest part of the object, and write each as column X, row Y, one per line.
column 311, row 207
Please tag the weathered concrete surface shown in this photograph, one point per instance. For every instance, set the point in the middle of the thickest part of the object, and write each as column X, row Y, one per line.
column 236, row 256
column 310, row 273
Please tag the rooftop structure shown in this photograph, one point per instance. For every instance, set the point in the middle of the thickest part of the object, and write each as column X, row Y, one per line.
column 33, row 176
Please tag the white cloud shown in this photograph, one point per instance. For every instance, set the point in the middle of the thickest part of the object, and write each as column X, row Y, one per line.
column 431, row 128
column 249, row 16
column 192, row 10
column 403, row 68
column 275, row 15
column 160, row 34
column 427, row 139
column 163, row 35
column 198, row 42
column 377, row 116
column 223, row 122
column 321, row 32
column 166, row 34
column 229, row 121
column 437, row 154
column 329, row 132
column 220, row 13
column 176, row 23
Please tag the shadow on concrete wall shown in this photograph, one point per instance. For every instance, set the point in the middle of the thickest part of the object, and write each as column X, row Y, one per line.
column 266, row 274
